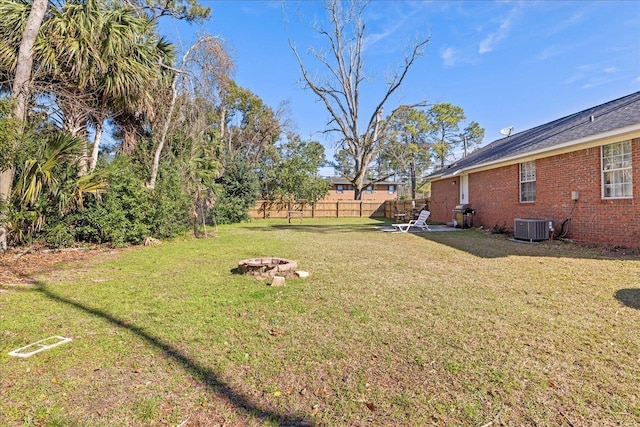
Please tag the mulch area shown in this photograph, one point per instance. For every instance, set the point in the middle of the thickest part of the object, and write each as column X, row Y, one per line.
column 20, row 266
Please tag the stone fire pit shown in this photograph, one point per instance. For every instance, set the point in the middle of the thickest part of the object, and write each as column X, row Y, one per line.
column 268, row 267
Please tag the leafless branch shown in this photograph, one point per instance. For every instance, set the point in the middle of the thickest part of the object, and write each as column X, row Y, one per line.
column 340, row 93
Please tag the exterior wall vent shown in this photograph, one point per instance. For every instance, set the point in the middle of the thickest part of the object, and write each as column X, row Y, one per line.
column 532, row 229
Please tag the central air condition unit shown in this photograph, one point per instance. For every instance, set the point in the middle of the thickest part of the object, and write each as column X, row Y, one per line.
column 532, row 229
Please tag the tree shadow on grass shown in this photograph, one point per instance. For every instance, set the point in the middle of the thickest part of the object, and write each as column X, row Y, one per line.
column 321, row 228
column 206, row 375
column 477, row 242
column 485, row 244
column 629, row 297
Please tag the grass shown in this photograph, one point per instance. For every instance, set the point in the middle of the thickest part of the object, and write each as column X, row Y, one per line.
column 461, row 328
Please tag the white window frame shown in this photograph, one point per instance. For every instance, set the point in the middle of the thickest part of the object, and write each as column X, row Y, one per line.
column 617, row 170
column 392, row 189
column 526, row 178
column 339, row 188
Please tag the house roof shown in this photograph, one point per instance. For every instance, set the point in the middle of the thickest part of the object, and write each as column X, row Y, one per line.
column 344, row 181
column 614, row 117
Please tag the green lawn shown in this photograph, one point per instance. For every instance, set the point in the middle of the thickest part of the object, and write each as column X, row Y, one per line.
column 458, row 328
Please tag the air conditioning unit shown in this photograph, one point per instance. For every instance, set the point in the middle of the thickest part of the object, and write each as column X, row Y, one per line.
column 532, row 229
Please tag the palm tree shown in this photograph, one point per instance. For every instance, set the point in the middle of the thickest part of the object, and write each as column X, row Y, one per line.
column 95, row 60
column 49, row 179
column 92, row 59
column 20, row 93
column 133, row 54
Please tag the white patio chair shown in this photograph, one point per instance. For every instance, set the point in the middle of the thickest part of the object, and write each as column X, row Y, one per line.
column 420, row 223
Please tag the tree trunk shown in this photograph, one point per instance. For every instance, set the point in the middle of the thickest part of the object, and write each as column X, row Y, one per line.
column 96, row 146
column 6, row 179
column 357, row 193
column 156, row 157
column 75, row 122
column 174, row 95
column 412, row 172
column 128, row 137
column 20, row 93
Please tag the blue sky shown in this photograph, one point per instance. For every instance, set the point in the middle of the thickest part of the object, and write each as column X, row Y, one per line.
column 506, row 63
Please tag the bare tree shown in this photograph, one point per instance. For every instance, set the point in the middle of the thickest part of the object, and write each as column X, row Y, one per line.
column 340, row 92
column 215, row 66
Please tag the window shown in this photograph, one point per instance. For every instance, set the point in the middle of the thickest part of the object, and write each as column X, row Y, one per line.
column 528, row 182
column 369, row 189
column 617, row 178
column 392, row 189
column 340, row 189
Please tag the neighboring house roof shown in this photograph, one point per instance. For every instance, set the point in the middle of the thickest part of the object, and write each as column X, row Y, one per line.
column 340, row 180
column 616, row 117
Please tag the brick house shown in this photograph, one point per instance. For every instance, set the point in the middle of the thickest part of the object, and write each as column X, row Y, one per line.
column 582, row 171
column 341, row 189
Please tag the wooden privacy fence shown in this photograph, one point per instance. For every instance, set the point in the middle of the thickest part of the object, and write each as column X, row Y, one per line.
column 264, row 209
column 409, row 207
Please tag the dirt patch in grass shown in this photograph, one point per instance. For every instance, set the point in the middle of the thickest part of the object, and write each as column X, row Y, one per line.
column 22, row 266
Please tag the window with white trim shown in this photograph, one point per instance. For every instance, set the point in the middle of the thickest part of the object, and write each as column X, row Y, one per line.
column 392, row 189
column 339, row 189
column 617, row 176
column 528, row 182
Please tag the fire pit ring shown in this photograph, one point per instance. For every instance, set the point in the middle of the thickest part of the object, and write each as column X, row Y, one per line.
column 268, row 267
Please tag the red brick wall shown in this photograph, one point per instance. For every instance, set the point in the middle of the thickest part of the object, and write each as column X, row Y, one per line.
column 445, row 195
column 494, row 194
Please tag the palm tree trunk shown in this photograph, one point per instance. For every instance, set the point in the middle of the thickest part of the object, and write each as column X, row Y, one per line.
column 20, row 94
column 20, row 91
column 96, row 145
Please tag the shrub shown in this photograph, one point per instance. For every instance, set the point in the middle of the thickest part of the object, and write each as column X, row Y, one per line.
column 173, row 205
column 124, row 214
column 500, row 229
column 129, row 212
column 240, row 188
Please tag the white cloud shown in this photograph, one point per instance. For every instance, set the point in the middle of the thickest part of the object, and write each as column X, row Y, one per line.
column 549, row 52
column 592, row 75
column 449, row 56
column 597, row 81
column 571, row 21
column 489, row 43
column 391, row 21
column 372, row 39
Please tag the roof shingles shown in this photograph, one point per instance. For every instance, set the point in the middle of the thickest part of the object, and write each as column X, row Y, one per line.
column 612, row 115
